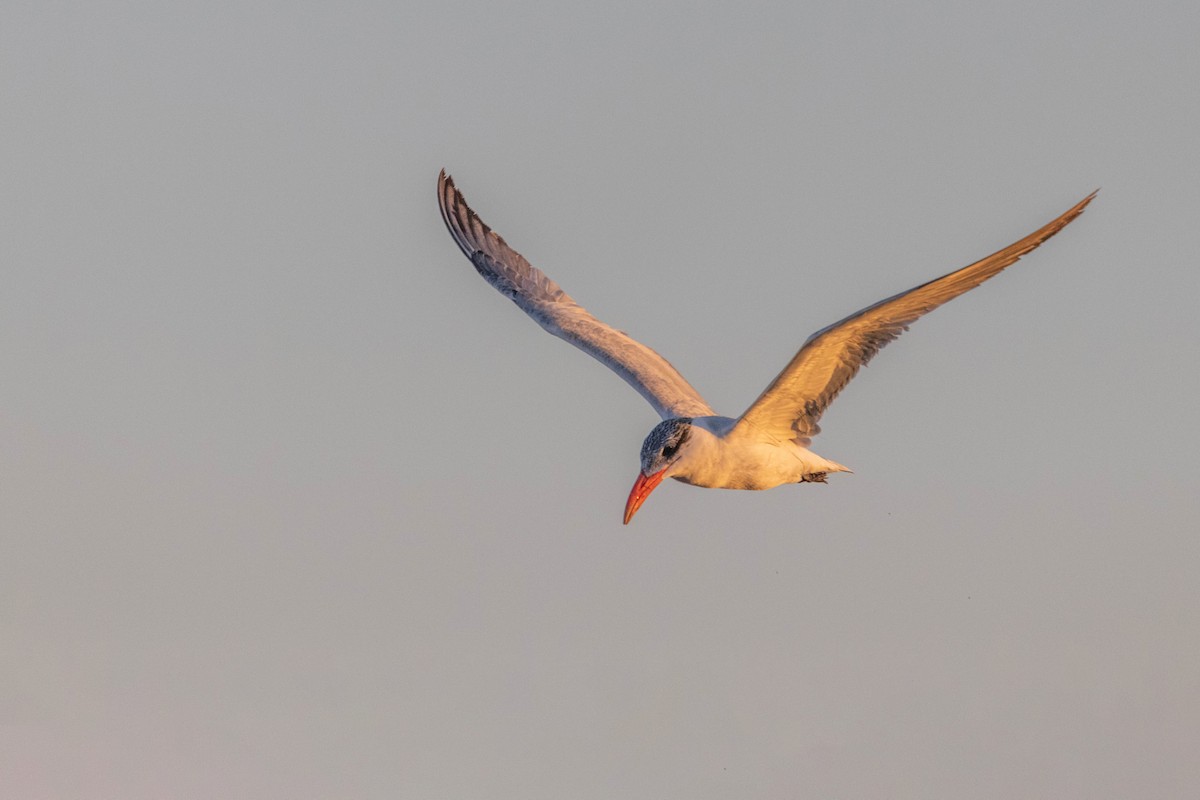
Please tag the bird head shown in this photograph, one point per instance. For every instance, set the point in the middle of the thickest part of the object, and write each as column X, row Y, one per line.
column 661, row 449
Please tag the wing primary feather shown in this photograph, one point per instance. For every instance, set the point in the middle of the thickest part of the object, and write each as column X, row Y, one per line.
column 792, row 404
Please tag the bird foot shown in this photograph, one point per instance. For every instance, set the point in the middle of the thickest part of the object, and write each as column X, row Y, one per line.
column 814, row 477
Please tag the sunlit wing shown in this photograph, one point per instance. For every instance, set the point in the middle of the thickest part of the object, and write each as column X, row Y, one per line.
column 791, row 406
column 541, row 298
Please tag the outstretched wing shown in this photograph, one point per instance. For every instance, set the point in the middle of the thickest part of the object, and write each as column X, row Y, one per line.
column 791, row 406
column 541, row 298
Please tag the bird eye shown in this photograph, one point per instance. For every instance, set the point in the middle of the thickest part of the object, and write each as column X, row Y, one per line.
column 669, row 450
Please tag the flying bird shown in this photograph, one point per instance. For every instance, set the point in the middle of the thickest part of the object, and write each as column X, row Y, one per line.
column 768, row 445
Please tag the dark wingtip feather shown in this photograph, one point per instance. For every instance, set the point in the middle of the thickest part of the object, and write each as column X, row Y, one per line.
column 457, row 215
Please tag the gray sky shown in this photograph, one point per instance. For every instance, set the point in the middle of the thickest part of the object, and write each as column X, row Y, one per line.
column 294, row 505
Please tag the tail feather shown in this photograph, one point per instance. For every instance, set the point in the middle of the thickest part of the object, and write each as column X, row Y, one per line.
column 826, row 467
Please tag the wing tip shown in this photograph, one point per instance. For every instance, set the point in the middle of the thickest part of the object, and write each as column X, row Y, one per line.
column 1064, row 219
column 1031, row 242
column 456, row 214
column 445, row 187
column 1082, row 204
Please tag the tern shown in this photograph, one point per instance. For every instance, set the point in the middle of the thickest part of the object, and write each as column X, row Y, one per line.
column 766, row 446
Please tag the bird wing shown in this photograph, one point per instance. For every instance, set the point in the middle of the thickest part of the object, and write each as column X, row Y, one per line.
column 791, row 406
column 541, row 298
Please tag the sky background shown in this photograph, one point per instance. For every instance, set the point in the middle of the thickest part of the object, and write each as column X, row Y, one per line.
column 294, row 505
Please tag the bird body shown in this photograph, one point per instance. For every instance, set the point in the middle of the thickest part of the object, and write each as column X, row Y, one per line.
column 769, row 444
column 717, row 454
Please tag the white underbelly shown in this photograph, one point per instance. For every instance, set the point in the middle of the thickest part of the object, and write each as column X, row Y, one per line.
column 757, row 467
